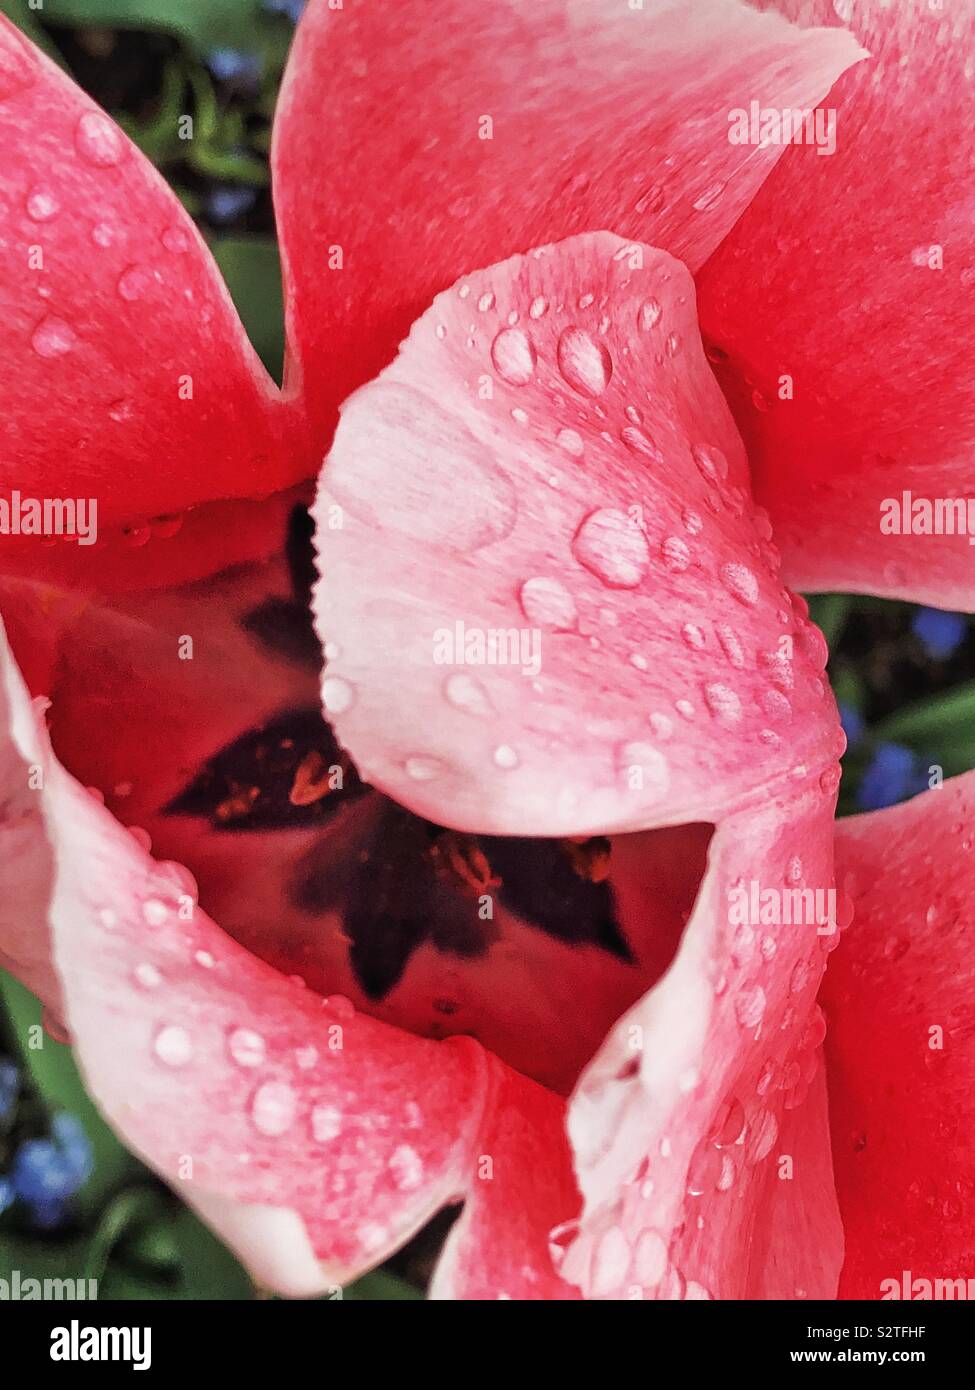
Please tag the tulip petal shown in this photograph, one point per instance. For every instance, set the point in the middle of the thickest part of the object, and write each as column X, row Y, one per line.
column 315, row 1140
column 220, row 753
column 548, row 604
column 699, row 1130
column 841, row 306
column 26, row 864
column 900, row 1046
column 458, row 142
column 127, row 375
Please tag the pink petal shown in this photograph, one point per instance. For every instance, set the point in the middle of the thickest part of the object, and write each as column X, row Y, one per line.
column 600, row 115
column 127, row 374
column 313, row 1139
column 852, row 275
column 26, row 867
column 549, row 457
column 901, row 1049
column 700, row 1131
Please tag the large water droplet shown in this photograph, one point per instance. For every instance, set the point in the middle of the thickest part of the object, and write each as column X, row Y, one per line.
column 273, row 1108
column 711, row 463
column 641, row 443
column 750, row 1005
column 675, row 554
column 337, row 694
column 613, row 548
column 246, row 1047
column 548, row 603
column 514, row 357
column 406, row 1168
column 173, row 1046
column 466, row 693
column 98, row 140
column 584, row 362
column 739, row 580
column 133, row 282
column 723, row 703
column 42, row 206
column 649, row 315
column 53, row 337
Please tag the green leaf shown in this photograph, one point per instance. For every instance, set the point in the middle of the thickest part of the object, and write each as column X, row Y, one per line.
column 380, row 1287
column 201, row 25
column 942, row 725
column 252, row 269
column 52, row 1069
column 829, row 612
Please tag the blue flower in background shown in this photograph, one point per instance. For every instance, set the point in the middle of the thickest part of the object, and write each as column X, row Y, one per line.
column 940, row 633
column 6, row 1192
column 46, row 1173
column 226, row 204
column 234, row 65
column 9, row 1086
column 888, row 779
column 291, row 9
column 74, row 1144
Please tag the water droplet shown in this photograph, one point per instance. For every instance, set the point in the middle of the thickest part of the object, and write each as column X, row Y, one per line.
column 675, row 553
column 42, row 205
column 723, row 703
column 709, row 196
column 326, row 1123
column 672, row 345
column 53, row 337
column 103, row 234
column 98, row 140
column 711, row 463
column 466, row 693
column 155, row 912
column 204, row 959
column 548, row 603
column 571, row 442
column 704, row 1170
column 559, row 1239
column 133, row 282
column 649, row 315
column 762, row 1136
column 693, row 636
column 246, row 1047
column 610, row 1262
column 650, row 201
column 108, row 918
column 649, row 1258
column 175, row 239
column 613, row 548
column 340, row 1006
column 273, row 1108
column 662, row 726
column 337, row 694
column 739, row 580
column 776, row 705
column 514, row 357
column 173, row 1046
column 685, row 708
column 584, row 363
column 538, row 307
column 731, row 645
column 640, row 443
column 406, row 1168
column 147, row 976
column 750, row 1005
column 505, row 757
column 486, row 301
column 423, row 769
column 728, row 1124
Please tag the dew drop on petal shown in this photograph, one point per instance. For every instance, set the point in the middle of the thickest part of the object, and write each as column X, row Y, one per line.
column 147, row 976
column 547, row 603
column 649, row 1258
column 675, row 554
column 583, row 362
column 505, row 757
column 326, row 1123
column 273, row 1108
column 42, row 205
column 611, row 1261
column 246, row 1047
column 466, row 693
column 649, row 315
column 571, row 442
column 513, row 355
column 173, row 1046
column 337, row 694
column 406, row 1168
column 750, row 1005
column 98, row 140
column 612, row 548
column 155, row 912
column 53, row 337
column 739, row 580
column 422, row 768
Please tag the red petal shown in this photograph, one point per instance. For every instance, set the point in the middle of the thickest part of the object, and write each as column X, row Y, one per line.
column 127, row 374
column 603, row 115
column 549, row 459
column 26, row 866
column 901, row 1048
column 313, row 1139
column 700, row 1130
column 873, row 326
